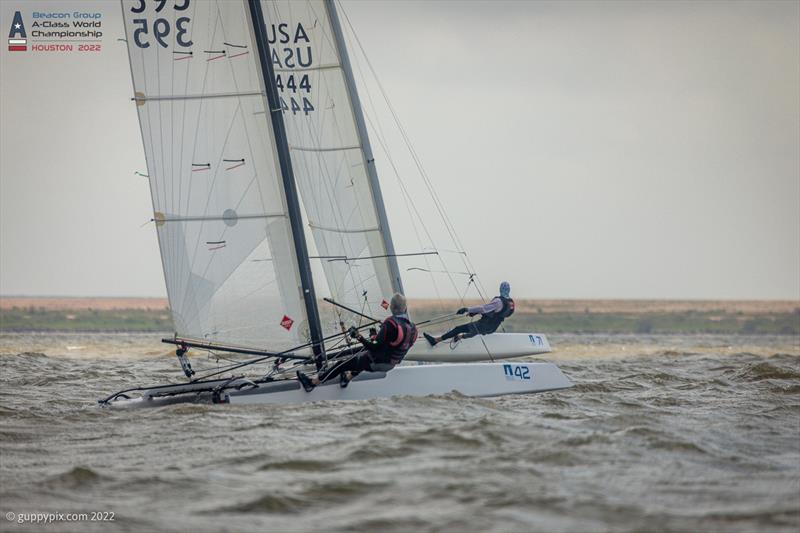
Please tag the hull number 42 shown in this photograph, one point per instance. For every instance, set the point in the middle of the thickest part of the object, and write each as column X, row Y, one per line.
column 516, row 372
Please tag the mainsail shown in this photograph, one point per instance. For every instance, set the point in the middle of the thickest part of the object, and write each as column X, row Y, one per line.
column 220, row 208
column 332, row 160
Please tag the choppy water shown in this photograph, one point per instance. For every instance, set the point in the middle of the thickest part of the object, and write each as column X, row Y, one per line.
column 659, row 434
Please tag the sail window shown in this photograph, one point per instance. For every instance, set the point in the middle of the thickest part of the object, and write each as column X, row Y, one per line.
column 230, row 218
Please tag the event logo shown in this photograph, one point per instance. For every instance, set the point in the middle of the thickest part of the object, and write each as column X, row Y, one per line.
column 56, row 31
column 17, row 38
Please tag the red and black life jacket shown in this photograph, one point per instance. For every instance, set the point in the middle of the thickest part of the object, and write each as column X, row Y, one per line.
column 405, row 337
column 491, row 321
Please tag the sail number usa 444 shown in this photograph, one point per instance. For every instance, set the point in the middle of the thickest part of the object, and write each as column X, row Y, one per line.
column 291, row 84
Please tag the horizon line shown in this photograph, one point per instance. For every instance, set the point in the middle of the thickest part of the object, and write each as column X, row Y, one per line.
column 540, row 298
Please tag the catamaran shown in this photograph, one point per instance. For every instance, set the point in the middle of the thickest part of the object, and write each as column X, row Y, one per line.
column 257, row 149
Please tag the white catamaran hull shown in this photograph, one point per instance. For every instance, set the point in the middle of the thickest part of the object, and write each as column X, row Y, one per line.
column 475, row 379
column 480, row 348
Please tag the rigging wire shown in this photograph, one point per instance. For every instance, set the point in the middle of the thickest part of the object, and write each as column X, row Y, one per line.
column 381, row 137
column 406, row 138
column 412, row 151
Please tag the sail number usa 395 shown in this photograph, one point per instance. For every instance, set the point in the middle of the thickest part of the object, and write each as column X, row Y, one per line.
column 161, row 27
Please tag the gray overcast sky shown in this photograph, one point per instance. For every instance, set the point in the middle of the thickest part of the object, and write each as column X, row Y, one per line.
column 624, row 150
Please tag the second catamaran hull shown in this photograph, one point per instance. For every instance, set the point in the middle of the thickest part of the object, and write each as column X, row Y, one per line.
column 476, row 379
column 480, row 348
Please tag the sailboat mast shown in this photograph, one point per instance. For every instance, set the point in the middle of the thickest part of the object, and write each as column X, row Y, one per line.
column 289, row 185
column 369, row 159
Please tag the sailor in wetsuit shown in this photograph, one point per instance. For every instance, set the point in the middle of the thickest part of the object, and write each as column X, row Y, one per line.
column 492, row 315
column 395, row 337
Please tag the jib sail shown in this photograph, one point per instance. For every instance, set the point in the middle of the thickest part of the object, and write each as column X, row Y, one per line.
column 331, row 157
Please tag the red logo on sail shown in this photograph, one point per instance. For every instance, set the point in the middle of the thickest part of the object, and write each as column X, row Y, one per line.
column 287, row 322
column 384, row 304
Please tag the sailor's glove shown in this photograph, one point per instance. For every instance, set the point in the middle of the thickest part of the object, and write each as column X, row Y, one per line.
column 353, row 332
column 461, row 311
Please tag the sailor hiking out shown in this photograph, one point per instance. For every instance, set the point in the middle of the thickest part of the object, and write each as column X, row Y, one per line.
column 492, row 315
column 395, row 337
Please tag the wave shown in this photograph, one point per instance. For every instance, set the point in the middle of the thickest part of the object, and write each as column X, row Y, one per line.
column 659, row 440
column 6, row 411
column 788, row 389
column 300, row 465
column 764, row 370
column 555, row 457
column 390, row 523
column 584, row 440
column 337, row 491
column 78, row 477
column 657, row 377
column 559, row 416
column 268, row 503
column 321, row 493
column 26, row 355
column 596, row 386
column 674, row 353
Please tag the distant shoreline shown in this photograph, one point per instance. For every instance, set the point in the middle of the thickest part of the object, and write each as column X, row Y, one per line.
column 74, row 303
column 100, row 303
column 50, row 314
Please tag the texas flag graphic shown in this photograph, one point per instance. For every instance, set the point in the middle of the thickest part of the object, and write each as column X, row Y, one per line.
column 17, row 38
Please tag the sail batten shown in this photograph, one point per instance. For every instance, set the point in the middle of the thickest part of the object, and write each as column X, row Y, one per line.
column 325, row 148
column 309, row 69
column 190, row 218
column 340, row 230
column 144, row 98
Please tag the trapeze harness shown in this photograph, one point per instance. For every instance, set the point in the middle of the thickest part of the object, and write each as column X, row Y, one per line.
column 491, row 321
column 380, row 357
column 393, row 352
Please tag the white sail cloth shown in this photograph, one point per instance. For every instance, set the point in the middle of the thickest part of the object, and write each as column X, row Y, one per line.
column 219, row 208
column 327, row 156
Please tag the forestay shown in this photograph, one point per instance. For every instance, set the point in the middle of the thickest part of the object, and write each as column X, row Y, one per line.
column 219, row 207
column 331, row 165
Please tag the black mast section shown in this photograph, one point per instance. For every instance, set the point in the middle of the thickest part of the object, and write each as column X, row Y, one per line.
column 289, row 185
